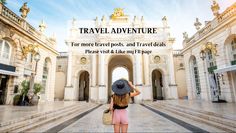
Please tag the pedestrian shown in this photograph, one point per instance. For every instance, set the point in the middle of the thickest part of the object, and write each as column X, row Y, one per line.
column 123, row 91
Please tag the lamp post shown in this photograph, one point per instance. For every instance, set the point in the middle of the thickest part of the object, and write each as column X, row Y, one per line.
column 33, row 74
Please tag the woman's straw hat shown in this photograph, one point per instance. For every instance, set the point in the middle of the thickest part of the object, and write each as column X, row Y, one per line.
column 121, row 87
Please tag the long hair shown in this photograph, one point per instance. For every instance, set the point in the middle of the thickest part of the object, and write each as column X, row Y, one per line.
column 121, row 100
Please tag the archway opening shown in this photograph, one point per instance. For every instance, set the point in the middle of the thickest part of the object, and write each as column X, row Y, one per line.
column 84, row 86
column 118, row 73
column 119, row 66
column 157, row 85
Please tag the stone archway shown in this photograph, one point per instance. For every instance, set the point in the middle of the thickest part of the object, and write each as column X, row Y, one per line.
column 83, row 86
column 157, row 85
column 119, row 61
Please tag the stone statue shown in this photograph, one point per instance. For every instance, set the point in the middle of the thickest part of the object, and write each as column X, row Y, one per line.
column 24, row 10
column 164, row 21
column 185, row 35
column 197, row 24
column 215, row 8
column 42, row 26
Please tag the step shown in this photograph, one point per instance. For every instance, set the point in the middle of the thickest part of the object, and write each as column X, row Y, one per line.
column 211, row 123
column 204, row 115
column 2, row 124
column 190, row 121
column 54, row 118
column 36, row 117
column 205, row 112
column 57, row 122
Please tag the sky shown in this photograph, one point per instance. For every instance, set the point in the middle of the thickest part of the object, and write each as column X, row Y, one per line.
column 181, row 14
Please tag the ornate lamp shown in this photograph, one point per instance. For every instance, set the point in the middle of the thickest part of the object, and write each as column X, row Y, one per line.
column 202, row 54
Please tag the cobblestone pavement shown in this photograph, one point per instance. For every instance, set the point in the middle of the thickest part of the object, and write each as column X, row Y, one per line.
column 140, row 120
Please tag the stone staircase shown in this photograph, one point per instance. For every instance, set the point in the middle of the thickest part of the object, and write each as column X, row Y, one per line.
column 31, row 122
column 219, row 121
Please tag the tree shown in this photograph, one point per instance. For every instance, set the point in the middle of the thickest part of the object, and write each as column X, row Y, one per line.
column 3, row 2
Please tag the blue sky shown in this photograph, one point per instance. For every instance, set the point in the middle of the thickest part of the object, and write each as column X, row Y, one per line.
column 181, row 14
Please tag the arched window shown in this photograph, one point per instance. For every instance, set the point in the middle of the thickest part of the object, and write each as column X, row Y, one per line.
column 45, row 75
column 211, row 62
column 5, row 52
column 195, row 76
column 233, row 51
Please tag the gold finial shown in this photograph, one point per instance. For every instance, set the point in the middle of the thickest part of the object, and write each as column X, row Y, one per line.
column 119, row 15
column 197, row 24
column 24, row 10
column 42, row 26
column 118, row 12
column 215, row 8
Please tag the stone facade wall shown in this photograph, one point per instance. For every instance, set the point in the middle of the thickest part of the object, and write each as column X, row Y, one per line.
column 20, row 34
column 221, row 29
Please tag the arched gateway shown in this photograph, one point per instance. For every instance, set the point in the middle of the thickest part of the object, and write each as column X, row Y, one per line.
column 99, row 66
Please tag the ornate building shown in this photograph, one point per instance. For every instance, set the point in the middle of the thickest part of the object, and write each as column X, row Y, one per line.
column 89, row 76
column 19, row 43
column 210, row 57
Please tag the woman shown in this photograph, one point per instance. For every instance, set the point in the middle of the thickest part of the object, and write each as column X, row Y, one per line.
column 123, row 91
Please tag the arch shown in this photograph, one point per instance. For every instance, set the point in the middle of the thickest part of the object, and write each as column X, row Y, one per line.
column 157, row 84
column 115, row 61
column 230, row 47
column 83, row 86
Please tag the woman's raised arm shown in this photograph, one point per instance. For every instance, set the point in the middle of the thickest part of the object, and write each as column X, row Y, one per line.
column 136, row 91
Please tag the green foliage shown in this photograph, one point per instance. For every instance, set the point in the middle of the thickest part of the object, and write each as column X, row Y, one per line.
column 37, row 88
column 3, row 2
column 25, row 87
column 17, row 99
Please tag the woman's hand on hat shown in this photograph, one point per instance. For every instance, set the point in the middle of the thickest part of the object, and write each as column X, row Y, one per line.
column 130, row 83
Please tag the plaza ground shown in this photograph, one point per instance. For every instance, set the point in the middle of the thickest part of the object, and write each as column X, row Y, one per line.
column 158, row 116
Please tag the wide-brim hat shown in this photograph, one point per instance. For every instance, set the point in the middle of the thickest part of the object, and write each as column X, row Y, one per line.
column 121, row 87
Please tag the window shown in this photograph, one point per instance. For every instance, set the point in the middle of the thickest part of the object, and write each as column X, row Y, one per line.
column 5, row 52
column 233, row 47
column 28, row 61
column 45, row 76
column 196, row 76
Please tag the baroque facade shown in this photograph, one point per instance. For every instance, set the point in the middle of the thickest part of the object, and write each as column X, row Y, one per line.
column 210, row 57
column 17, row 38
column 89, row 76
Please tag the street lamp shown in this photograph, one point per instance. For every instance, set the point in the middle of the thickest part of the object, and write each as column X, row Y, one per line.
column 202, row 54
column 37, row 57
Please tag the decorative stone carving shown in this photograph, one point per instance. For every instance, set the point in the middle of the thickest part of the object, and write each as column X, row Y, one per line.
column 24, row 10
column 83, row 60
column 157, row 59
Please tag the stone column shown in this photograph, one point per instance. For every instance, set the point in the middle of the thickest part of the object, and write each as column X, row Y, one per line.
column 69, row 71
column 94, row 89
column 173, row 87
column 139, row 76
column 102, row 96
column 69, row 91
column 147, row 89
column 146, row 69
